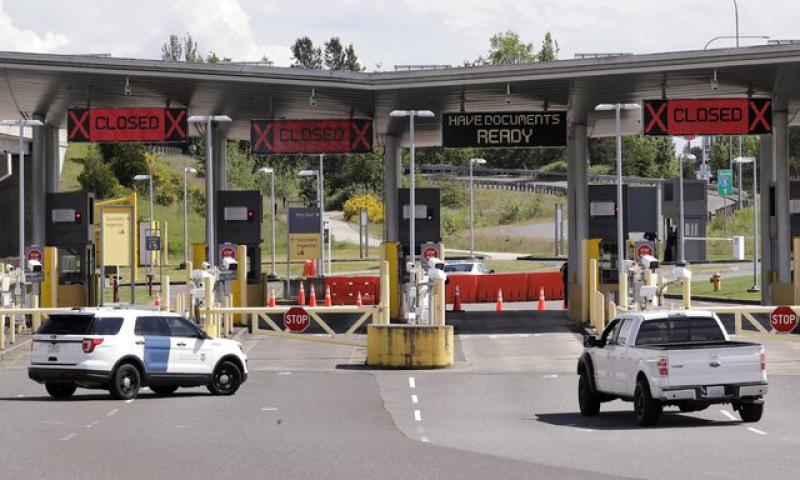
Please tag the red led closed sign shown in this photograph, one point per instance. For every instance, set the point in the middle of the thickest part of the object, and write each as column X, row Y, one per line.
column 717, row 116
column 310, row 136
column 126, row 124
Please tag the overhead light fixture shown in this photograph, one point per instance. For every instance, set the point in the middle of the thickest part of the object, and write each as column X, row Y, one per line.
column 128, row 89
column 312, row 100
column 508, row 94
column 714, row 81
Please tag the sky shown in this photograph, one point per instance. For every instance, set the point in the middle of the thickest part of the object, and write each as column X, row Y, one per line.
column 385, row 32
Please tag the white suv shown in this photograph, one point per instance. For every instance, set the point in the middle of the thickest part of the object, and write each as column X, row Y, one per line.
column 123, row 350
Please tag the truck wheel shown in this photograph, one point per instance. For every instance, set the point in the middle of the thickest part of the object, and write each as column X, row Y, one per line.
column 60, row 391
column 226, row 379
column 588, row 400
column 751, row 412
column 125, row 382
column 646, row 409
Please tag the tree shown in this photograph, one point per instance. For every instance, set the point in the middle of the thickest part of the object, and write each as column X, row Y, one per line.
column 181, row 49
column 334, row 54
column 267, row 61
column 213, row 58
column 125, row 160
column 351, row 60
column 305, row 55
column 507, row 48
column 549, row 51
column 97, row 177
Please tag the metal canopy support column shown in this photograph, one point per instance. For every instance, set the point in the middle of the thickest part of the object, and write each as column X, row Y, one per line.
column 766, row 226
column 780, row 174
column 37, row 192
column 52, row 159
column 391, row 184
column 578, row 208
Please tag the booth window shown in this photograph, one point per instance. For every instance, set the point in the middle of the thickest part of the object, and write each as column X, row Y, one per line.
column 70, row 268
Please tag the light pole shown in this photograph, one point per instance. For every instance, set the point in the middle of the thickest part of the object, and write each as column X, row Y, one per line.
column 22, row 124
column 209, row 121
column 271, row 172
column 618, row 107
column 681, row 237
column 148, row 179
column 186, row 172
column 412, row 210
column 740, row 160
column 472, row 162
column 315, row 173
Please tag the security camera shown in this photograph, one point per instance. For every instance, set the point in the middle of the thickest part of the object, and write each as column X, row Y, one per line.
column 650, row 262
column 312, row 101
column 33, row 266
column 229, row 264
column 193, row 149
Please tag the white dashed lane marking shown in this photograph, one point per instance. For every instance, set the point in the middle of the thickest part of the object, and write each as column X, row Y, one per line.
column 129, row 401
column 424, row 439
column 417, row 415
column 90, row 425
column 69, row 437
column 414, row 399
column 755, row 430
column 411, row 383
column 269, row 409
column 284, row 373
column 112, row 412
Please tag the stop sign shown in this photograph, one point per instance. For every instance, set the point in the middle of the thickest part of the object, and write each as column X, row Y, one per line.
column 644, row 249
column 783, row 319
column 227, row 252
column 296, row 319
column 34, row 254
column 429, row 252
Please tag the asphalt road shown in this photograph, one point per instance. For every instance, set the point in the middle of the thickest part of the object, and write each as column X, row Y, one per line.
column 508, row 409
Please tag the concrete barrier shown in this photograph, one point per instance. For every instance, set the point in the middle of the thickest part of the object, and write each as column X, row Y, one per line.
column 410, row 346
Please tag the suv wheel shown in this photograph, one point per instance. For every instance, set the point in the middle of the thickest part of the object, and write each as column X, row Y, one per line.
column 588, row 400
column 126, row 382
column 163, row 389
column 226, row 379
column 646, row 409
column 60, row 391
column 751, row 412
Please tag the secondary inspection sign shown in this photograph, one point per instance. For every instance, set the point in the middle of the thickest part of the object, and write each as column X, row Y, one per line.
column 504, row 129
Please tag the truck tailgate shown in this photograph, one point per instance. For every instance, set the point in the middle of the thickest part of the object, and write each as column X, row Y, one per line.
column 715, row 366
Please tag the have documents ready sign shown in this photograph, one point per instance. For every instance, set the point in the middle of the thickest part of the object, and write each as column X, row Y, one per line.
column 504, row 129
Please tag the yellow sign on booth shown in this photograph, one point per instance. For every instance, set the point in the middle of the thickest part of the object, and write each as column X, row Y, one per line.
column 116, row 231
column 304, row 246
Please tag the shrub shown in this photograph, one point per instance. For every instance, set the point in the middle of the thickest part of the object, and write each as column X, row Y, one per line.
column 97, row 177
column 453, row 194
column 355, row 204
column 509, row 212
column 557, row 166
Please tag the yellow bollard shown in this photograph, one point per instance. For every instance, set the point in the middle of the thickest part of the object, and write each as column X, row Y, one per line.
column 208, row 324
column 2, row 332
column 686, row 290
column 385, row 299
column 165, row 294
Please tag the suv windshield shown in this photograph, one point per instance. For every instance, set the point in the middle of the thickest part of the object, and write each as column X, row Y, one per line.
column 679, row 330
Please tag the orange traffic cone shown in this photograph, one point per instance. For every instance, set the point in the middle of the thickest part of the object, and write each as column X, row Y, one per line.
column 359, row 300
column 312, row 300
column 328, row 301
column 157, row 303
column 301, row 298
column 541, row 305
column 457, row 300
column 271, row 301
column 499, row 306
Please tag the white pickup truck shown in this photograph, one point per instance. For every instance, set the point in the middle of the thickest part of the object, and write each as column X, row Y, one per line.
column 674, row 357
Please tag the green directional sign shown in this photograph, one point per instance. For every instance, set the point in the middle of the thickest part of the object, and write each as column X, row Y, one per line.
column 725, row 182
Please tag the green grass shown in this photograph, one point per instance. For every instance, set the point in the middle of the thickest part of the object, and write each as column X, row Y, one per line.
column 732, row 288
column 502, row 266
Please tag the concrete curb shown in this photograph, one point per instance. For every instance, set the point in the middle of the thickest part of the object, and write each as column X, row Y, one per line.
column 7, row 353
